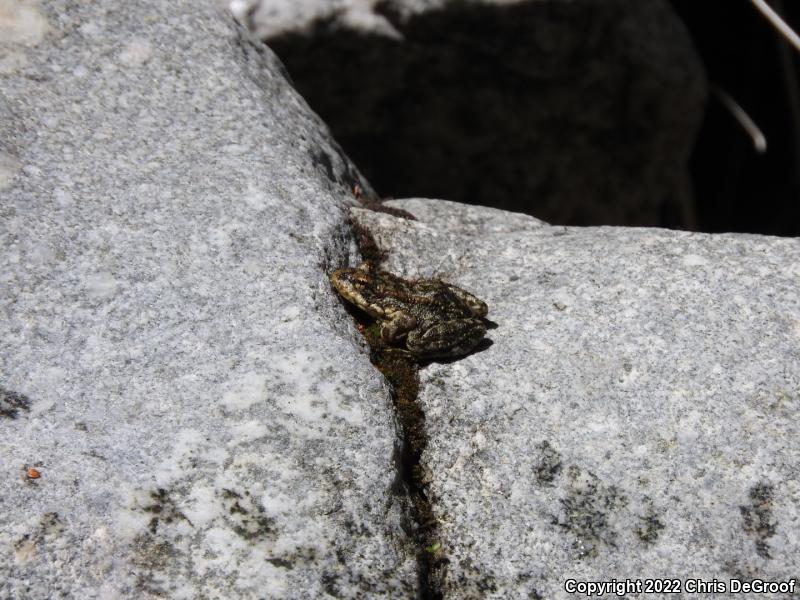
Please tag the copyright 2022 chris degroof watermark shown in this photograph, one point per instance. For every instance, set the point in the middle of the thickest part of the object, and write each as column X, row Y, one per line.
column 622, row 587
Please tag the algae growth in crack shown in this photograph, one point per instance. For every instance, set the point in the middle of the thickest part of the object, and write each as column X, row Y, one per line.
column 400, row 368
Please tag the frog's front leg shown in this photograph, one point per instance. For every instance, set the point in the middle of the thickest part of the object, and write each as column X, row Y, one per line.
column 448, row 338
column 399, row 323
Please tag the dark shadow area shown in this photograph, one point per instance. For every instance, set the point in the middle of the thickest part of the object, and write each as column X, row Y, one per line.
column 482, row 346
column 738, row 189
column 579, row 112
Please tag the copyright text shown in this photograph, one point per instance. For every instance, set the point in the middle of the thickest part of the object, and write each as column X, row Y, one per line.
column 621, row 587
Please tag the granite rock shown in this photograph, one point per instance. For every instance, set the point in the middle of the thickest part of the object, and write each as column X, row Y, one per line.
column 185, row 411
column 575, row 111
column 635, row 416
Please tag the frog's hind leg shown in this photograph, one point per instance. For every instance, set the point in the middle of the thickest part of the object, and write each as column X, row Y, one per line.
column 445, row 339
column 398, row 325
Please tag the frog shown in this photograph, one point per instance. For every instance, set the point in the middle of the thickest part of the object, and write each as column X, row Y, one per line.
column 426, row 318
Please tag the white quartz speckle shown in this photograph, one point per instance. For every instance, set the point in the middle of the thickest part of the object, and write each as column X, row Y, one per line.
column 9, row 167
column 101, row 285
column 22, row 23
column 136, row 53
column 694, row 260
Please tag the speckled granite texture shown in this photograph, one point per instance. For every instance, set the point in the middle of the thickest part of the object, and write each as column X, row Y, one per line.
column 173, row 362
column 187, row 410
column 635, row 417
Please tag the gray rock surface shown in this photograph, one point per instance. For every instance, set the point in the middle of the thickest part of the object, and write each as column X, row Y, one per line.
column 186, row 410
column 173, row 362
column 635, row 417
column 575, row 111
column 465, row 218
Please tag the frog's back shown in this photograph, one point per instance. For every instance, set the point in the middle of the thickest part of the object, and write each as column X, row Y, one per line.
column 436, row 302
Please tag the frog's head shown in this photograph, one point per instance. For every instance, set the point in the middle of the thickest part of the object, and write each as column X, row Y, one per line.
column 477, row 306
column 349, row 282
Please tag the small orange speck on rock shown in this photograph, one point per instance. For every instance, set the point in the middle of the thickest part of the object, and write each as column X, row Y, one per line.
column 33, row 473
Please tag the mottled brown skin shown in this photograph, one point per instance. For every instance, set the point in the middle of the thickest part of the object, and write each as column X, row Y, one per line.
column 428, row 317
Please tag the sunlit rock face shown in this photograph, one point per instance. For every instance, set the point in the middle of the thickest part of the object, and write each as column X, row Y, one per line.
column 636, row 413
column 185, row 409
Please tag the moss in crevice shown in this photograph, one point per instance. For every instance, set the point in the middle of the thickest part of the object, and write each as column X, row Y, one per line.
column 402, row 373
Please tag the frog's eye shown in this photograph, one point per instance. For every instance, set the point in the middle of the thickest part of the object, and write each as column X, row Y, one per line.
column 359, row 280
